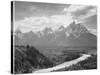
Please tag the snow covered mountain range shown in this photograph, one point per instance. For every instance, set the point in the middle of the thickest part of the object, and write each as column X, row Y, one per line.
column 72, row 35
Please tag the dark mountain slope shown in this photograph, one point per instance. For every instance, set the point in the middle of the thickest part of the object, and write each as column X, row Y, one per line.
column 28, row 59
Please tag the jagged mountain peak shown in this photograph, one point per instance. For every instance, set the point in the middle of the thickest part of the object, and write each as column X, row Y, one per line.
column 47, row 30
column 61, row 28
column 40, row 33
column 76, row 29
column 76, row 34
column 31, row 32
column 18, row 33
column 79, row 27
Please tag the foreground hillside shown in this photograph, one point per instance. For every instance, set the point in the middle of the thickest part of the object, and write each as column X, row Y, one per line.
column 28, row 59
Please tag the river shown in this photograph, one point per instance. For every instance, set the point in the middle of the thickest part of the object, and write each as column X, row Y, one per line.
column 65, row 64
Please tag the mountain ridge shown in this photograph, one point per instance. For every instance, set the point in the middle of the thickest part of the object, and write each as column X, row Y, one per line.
column 73, row 35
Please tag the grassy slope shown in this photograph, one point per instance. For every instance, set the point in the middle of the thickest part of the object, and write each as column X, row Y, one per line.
column 28, row 59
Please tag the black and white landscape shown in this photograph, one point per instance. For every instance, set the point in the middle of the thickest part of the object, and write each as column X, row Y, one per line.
column 51, row 37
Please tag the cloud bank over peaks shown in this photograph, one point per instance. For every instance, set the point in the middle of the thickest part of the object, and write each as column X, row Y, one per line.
column 39, row 23
column 80, row 13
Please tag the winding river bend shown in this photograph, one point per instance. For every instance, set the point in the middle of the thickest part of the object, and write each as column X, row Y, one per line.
column 65, row 64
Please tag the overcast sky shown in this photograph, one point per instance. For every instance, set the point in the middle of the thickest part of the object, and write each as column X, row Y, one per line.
column 36, row 16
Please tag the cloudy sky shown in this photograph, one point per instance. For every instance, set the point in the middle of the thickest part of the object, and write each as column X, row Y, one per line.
column 36, row 16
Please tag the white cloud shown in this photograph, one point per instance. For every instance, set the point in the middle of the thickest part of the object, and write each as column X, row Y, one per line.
column 39, row 23
column 90, row 13
column 32, row 8
column 80, row 8
column 74, row 8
